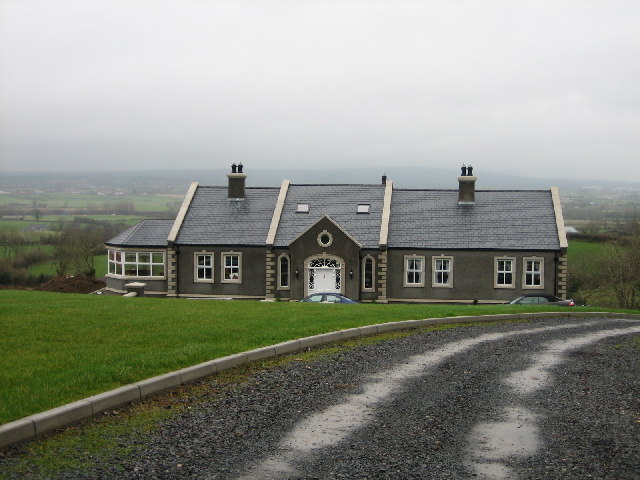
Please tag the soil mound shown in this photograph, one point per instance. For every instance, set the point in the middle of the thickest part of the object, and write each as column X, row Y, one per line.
column 75, row 284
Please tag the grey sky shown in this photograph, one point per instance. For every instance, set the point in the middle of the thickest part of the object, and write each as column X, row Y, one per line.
column 509, row 86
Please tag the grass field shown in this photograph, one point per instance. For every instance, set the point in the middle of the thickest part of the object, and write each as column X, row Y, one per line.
column 57, row 348
column 141, row 202
column 53, row 221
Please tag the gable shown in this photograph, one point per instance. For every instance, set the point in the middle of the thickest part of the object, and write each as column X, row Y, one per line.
column 340, row 202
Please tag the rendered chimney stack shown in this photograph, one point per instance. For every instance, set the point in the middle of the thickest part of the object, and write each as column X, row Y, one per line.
column 467, row 189
column 236, row 182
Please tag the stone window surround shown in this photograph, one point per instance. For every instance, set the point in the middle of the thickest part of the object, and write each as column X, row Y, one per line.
column 540, row 272
column 434, row 277
column 496, row 270
column 196, row 266
column 223, row 256
column 373, row 273
column 325, row 233
column 279, row 272
column 420, row 271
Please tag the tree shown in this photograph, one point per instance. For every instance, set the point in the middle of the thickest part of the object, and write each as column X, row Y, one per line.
column 74, row 250
column 613, row 270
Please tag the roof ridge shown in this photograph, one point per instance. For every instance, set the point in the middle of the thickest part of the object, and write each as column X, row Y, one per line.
column 134, row 229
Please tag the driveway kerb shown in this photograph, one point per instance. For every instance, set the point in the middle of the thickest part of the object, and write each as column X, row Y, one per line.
column 29, row 428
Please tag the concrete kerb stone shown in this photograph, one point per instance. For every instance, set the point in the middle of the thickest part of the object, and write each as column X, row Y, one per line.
column 287, row 347
column 231, row 361
column 196, row 372
column 62, row 416
column 114, row 398
column 30, row 427
column 260, row 354
column 158, row 384
column 17, row 431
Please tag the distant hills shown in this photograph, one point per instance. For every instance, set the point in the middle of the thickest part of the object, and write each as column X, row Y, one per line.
column 177, row 181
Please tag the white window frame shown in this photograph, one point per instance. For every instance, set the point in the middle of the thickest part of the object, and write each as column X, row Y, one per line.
column 498, row 271
column 419, row 271
column 223, row 266
column 436, row 271
column 284, row 256
column 539, row 273
column 373, row 274
column 197, row 267
column 117, row 263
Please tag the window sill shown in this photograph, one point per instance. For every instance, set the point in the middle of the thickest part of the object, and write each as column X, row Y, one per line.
column 132, row 277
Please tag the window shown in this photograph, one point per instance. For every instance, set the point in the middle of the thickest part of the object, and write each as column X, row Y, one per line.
column 136, row 264
column 325, row 239
column 442, row 272
column 413, row 271
column 303, row 208
column 504, row 272
column 533, row 273
column 231, row 267
column 283, row 272
column 363, row 208
column 367, row 273
column 203, row 267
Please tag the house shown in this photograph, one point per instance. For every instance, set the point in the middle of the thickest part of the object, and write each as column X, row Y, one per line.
column 369, row 242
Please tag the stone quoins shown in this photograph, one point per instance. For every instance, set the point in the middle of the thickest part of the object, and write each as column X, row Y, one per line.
column 29, row 428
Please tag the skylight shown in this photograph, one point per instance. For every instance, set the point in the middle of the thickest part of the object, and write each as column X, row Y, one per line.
column 363, row 208
column 303, row 208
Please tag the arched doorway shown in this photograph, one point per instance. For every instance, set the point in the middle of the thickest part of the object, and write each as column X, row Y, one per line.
column 324, row 274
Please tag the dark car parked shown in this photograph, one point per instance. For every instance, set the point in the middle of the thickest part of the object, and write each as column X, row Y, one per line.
column 541, row 299
column 327, row 298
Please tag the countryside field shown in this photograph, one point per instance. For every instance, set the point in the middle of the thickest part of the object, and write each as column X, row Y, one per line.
column 57, row 348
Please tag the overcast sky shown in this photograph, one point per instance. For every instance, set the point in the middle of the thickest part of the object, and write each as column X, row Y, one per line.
column 508, row 86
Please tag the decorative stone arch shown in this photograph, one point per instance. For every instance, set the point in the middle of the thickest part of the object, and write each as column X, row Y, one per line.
column 323, row 262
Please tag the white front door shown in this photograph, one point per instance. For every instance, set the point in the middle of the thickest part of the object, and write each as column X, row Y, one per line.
column 324, row 276
column 324, row 280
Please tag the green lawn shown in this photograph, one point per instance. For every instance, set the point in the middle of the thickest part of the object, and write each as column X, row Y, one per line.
column 57, row 348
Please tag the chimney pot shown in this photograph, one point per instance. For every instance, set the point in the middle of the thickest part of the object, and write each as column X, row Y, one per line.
column 467, row 187
column 236, row 190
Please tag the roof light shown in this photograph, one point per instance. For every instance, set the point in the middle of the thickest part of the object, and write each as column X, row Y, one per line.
column 363, row 208
column 303, row 208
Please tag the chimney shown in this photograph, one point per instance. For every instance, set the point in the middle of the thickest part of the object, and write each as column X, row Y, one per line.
column 384, row 179
column 467, row 182
column 236, row 182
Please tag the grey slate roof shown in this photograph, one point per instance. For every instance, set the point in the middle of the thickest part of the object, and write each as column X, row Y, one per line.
column 509, row 220
column 214, row 220
column 340, row 202
column 147, row 233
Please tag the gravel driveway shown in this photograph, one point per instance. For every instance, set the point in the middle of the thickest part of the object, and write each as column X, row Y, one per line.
column 531, row 400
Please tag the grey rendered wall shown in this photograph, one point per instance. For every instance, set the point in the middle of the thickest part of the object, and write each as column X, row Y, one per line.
column 343, row 246
column 253, row 282
column 157, row 287
column 473, row 276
